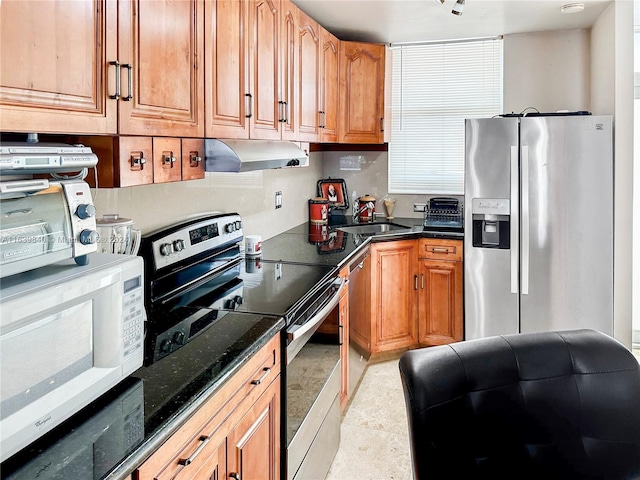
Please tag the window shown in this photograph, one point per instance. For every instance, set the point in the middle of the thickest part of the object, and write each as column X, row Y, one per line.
column 435, row 86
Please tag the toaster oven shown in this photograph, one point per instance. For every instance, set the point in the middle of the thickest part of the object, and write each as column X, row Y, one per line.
column 44, row 222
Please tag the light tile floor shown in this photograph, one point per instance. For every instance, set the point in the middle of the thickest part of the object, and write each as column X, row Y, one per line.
column 374, row 443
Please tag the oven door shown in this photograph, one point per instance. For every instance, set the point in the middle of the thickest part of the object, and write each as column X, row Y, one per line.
column 313, row 391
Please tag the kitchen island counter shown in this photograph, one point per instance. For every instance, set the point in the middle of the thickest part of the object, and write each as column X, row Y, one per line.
column 112, row 436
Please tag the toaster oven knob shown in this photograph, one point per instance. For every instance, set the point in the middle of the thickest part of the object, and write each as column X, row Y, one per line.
column 88, row 237
column 230, row 227
column 166, row 249
column 178, row 245
column 85, row 210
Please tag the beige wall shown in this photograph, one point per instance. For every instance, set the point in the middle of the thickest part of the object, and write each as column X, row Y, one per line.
column 251, row 194
column 612, row 92
column 547, row 70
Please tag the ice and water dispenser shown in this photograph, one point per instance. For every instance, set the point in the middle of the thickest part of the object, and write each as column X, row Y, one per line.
column 491, row 222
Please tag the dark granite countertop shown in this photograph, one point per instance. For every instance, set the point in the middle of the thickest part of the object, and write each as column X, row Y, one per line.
column 327, row 245
column 115, row 434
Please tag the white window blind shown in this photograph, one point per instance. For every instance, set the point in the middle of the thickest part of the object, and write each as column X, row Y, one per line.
column 435, row 87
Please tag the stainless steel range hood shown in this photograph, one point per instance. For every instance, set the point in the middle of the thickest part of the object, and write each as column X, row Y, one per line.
column 228, row 155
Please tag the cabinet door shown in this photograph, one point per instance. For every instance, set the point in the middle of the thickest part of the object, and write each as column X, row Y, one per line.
column 329, row 82
column 394, row 295
column 264, row 39
column 55, row 58
column 160, row 46
column 289, row 69
column 309, row 79
column 440, row 302
column 362, row 73
column 227, row 68
column 254, row 444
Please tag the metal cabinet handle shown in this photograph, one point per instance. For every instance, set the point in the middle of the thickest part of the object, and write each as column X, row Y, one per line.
column 382, row 124
column 281, row 111
column 194, row 159
column 422, row 281
column 116, row 64
column 234, row 475
column 249, row 104
column 341, row 329
column 415, row 282
column 285, row 110
column 186, row 461
column 168, row 159
column 264, row 376
column 440, row 250
column 137, row 161
column 130, row 81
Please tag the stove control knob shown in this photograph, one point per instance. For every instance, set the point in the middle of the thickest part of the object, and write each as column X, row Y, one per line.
column 238, row 299
column 165, row 346
column 85, row 210
column 178, row 338
column 230, row 227
column 238, row 224
column 89, row 237
column 166, row 249
column 178, row 245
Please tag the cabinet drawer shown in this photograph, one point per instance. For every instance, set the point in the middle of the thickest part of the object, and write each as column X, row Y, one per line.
column 439, row 249
column 207, row 428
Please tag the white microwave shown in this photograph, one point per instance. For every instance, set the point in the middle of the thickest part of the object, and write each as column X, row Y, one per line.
column 67, row 335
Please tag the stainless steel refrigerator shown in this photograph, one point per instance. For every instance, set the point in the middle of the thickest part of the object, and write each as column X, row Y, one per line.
column 538, row 246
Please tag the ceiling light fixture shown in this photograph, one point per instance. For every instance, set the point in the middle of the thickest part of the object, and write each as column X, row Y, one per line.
column 572, row 8
column 458, row 7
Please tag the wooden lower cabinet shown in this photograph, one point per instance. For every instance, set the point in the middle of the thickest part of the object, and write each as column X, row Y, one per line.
column 235, row 434
column 440, row 312
column 416, row 295
column 394, row 295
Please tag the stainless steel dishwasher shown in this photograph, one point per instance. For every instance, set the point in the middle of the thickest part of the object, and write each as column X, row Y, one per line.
column 359, row 317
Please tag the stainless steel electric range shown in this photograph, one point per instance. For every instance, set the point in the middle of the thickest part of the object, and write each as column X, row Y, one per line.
column 197, row 276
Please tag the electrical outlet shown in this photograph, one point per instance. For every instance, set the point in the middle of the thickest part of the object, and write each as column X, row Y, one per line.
column 419, row 207
column 278, row 199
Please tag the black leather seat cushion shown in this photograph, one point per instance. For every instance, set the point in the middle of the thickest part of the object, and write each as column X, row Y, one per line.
column 548, row 405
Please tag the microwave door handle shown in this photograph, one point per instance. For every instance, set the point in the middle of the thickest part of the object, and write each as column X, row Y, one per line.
column 318, row 317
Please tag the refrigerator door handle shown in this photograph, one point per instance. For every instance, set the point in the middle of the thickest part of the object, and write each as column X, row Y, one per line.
column 525, row 220
column 514, row 219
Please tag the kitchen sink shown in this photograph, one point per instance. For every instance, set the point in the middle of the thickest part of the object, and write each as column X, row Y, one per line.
column 373, row 228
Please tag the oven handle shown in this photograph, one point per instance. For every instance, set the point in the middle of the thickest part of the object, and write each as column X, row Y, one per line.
column 296, row 333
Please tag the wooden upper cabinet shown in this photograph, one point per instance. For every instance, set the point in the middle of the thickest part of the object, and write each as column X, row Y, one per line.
column 264, row 101
column 227, row 68
column 55, row 58
column 309, row 79
column 329, row 83
column 162, row 75
column 362, row 82
column 289, row 72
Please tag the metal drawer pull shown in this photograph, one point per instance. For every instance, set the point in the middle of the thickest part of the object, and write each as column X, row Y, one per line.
column 168, row 159
column 440, row 250
column 186, row 461
column 422, row 276
column 415, row 280
column 264, row 376
column 234, row 475
column 130, row 79
column 137, row 161
column 116, row 64
column 195, row 159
